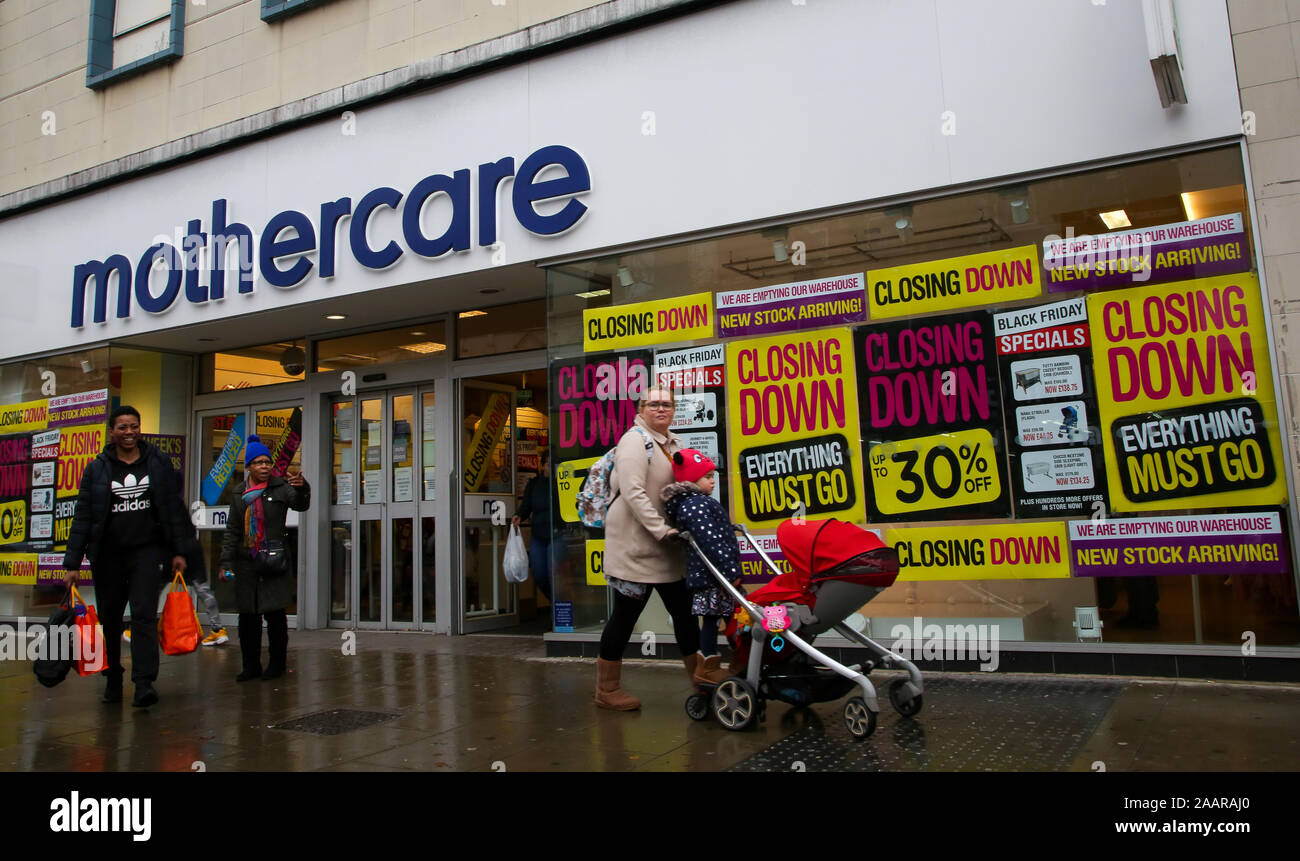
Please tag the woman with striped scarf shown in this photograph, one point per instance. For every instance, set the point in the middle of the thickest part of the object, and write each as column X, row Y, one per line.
column 256, row 522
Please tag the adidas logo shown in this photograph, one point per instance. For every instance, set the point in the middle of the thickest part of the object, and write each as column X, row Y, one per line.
column 129, row 489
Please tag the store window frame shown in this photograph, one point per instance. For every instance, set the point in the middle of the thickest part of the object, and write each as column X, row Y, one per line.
column 99, row 54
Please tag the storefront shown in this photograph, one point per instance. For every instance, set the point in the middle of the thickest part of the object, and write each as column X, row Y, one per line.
column 881, row 302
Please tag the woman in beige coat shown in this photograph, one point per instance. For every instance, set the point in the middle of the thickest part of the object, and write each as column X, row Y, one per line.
column 640, row 554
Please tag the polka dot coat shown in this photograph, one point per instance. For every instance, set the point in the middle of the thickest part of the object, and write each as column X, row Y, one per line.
column 690, row 510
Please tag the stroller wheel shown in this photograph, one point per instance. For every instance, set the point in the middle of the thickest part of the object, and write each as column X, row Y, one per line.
column 735, row 704
column 905, row 707
column 697, row 706
column 860, row 720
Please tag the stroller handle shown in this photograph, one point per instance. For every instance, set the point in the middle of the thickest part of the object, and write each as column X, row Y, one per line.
column 723, row 582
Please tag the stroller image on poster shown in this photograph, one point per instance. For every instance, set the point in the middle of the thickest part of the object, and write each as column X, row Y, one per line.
column 837, row 568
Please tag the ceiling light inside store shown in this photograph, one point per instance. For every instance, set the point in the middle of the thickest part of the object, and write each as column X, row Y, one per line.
column 1116, row 219
column 464, row 314
column 625, row 276
column 1019, row 211
column 336, row 316
column 779, row 252
column 425, row 347
column 592, row 294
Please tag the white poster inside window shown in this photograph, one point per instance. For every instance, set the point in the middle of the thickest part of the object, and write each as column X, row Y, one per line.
column 372, row 486
column 343, row 484
column 402, row 484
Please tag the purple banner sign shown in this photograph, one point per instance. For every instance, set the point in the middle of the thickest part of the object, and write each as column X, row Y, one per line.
column 49, row 571
column 791, row 307
column 84, row 408
column 1152, row 255
column 1220, row 544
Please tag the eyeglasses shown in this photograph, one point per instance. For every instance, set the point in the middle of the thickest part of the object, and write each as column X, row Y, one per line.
column 660, row 405
column 260, row 462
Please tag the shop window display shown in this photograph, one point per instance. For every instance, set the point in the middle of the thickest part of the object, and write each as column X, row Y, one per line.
column 53, row 422
column 1053, row 395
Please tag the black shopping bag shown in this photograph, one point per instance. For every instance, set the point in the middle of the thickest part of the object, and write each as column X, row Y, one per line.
column 50, row 671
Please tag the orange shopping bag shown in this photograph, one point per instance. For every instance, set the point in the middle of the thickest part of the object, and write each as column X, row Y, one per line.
column 178, row 628
column 89, row 650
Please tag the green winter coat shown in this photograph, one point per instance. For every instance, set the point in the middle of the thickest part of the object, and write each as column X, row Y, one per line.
column 254, row 595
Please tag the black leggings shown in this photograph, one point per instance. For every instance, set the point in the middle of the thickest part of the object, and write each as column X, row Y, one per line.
column 618, row 630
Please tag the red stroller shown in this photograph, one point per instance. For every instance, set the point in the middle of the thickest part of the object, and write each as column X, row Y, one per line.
column 837, row 568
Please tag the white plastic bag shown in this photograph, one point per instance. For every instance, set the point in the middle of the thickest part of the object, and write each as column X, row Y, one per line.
column 516, row 562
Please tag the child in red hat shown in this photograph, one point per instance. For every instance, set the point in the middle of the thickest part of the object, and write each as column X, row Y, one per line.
column 690, row 507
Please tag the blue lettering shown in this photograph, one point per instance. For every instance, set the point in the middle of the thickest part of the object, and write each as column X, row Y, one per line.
column 528, row 191
column 457, row 233
column 273, row 247
column 490, row 175
column 99, row 273
column 222, row 234
column 361, row 250
column 552, row 176
column 144, row 272
column 194, row 242
column 330, row 213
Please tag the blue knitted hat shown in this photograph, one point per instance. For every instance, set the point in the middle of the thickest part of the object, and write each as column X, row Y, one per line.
column 255, row 450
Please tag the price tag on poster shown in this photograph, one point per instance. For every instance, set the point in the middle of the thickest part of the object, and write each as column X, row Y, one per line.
column 697, row 378
column 1053, row 442
column 1188, row 412
column 932, row 419
column 792, row 429
column 594, row 400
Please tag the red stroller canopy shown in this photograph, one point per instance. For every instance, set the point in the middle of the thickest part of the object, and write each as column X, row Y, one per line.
column 827, row 550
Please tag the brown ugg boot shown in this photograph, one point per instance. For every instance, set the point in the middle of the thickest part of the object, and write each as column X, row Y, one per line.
column 709, row 671
column 609, row 695
column 691, row 662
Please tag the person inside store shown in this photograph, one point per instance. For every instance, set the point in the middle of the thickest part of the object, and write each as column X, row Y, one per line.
column 640, row 554
column 536, row 508
column 130, row 522
column 255, row 551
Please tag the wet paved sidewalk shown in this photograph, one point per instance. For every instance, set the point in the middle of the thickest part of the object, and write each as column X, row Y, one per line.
column 482, row 703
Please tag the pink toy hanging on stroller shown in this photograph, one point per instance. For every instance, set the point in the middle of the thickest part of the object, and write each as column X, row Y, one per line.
column 836, row 569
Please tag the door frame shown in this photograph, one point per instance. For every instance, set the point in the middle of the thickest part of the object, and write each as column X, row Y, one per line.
column 250, row 401
column 415, row 378
column 461, row 371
